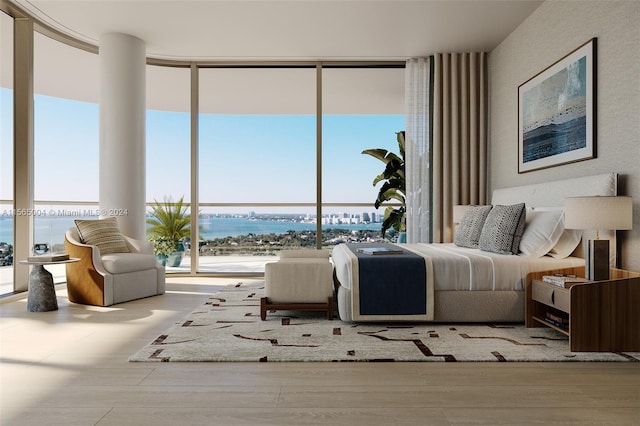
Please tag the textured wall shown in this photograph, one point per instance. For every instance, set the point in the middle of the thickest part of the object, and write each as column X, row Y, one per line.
column 555, row 29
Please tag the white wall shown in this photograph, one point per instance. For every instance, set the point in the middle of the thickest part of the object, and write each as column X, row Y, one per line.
column 552, row 31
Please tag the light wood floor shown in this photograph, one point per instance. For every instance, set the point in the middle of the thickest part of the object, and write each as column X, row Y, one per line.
column 69, row 367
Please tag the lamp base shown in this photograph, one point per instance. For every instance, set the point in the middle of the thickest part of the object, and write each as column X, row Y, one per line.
column 597, row 260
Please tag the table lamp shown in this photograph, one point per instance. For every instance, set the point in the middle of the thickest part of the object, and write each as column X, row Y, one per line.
column 599, row 213
column 458, row 212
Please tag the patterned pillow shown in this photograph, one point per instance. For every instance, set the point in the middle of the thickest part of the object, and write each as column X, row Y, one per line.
column 470, row 227
column 103, row 233
column 503, row 229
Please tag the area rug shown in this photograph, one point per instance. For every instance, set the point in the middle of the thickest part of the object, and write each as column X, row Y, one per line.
column 228, row 328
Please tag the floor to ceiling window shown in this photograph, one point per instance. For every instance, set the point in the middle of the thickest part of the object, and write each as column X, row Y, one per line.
column 257, row 164
column 258, row 158
column 362, row 108
column 66, row 142
column 6, row 153
column 168, row 136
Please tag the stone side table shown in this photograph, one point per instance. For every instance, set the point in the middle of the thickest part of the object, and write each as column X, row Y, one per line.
column 42, row 292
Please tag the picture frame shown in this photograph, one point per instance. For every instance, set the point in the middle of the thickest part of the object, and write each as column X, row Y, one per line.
column 557, row 112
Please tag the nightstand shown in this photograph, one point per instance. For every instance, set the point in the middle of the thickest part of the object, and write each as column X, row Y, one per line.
column 597, row 316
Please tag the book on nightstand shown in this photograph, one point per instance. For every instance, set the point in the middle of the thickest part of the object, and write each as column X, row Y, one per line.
column 558, row 321
column 563, row 281
column 49, row 257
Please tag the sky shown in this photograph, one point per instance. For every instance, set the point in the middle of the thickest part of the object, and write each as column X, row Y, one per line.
column 243, row 158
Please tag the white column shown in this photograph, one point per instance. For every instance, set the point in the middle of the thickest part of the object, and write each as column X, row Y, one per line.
column 122, row 131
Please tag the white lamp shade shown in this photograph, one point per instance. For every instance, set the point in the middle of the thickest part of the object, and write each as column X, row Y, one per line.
column 598, row 212
column 458, row 212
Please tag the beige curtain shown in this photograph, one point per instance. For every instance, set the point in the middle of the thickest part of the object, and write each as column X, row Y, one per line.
column 459, row 143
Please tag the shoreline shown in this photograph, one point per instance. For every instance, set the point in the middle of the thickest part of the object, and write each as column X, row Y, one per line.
column 265, row 244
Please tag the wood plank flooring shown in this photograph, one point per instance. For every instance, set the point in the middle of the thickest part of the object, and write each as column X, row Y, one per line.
column 69, row 367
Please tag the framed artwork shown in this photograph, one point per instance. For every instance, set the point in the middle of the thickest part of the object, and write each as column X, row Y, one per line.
column 556, row 112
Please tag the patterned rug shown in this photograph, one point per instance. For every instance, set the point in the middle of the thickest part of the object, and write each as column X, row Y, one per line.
column 228, row 328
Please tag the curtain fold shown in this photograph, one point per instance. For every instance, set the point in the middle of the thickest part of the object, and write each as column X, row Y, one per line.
column 417, row 152
column 459, row 140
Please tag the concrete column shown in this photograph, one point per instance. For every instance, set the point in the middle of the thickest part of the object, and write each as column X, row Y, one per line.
column 122, row 131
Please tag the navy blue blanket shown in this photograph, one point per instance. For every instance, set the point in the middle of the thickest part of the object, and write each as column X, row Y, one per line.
column 391, row 284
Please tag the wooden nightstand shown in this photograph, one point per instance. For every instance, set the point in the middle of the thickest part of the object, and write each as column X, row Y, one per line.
column 601, row 316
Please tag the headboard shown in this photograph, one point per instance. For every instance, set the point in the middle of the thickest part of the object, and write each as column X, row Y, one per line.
column 552, row 194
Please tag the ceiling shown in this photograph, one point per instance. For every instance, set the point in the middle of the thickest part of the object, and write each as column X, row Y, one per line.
column 265, row 30
column 293, row 29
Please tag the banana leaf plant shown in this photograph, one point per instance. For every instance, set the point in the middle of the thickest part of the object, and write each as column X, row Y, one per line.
column 393, row 185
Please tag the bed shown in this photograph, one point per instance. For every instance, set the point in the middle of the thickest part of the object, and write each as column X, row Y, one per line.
column 466, row 284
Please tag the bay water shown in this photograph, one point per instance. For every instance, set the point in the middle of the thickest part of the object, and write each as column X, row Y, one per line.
column 51, row 230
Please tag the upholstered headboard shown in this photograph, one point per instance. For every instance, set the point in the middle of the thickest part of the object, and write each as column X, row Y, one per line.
column 552, row 194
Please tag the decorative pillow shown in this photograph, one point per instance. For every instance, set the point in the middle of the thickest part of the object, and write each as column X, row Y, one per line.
column 103, row 233
column 502, row 231
column 542, row 231
column 470, row 227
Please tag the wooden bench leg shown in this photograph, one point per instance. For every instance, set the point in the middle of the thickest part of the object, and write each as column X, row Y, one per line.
column 263, row 308
column 265, row 305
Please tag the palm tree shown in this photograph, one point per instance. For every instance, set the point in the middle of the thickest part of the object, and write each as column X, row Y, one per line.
column 169, row 222
column 394, row 186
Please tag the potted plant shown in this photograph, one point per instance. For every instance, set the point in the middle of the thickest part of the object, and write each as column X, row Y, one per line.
column 168, row 225
column 393, row 187
column 162, row 249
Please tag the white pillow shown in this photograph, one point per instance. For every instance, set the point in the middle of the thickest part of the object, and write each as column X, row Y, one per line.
column 569, row 239
column 567, row 243
column 542, row 231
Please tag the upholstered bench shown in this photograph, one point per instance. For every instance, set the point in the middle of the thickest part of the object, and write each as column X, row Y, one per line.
column 301, row 280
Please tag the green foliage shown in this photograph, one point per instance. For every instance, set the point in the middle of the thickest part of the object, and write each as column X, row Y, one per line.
column 394, row 185
column 169, row 223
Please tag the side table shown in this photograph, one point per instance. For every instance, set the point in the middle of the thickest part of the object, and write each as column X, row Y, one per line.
column 597, row 316
column 42, row 293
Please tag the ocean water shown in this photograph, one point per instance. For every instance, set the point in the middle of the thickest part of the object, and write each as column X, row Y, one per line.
column 51, row 229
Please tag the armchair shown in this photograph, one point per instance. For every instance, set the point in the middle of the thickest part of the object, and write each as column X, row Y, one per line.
column 104, row 280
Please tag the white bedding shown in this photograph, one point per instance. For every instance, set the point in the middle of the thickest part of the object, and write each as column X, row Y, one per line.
column 452, row 270
column 473, row 285
column 463, row 269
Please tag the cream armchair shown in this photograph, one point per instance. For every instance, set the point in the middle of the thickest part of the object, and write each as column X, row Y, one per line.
column 104, row 280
